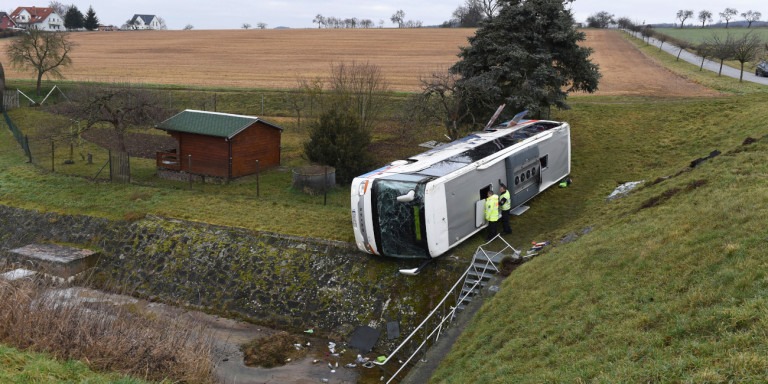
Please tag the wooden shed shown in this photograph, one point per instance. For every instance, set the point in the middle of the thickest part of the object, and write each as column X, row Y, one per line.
column 220, row 144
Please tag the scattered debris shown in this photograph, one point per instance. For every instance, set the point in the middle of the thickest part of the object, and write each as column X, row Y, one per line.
column 364, row 338
column 624, row 189
column 535, row 248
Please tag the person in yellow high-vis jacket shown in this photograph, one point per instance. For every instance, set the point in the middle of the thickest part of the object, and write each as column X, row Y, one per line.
column 491, row 213
column 505, row 201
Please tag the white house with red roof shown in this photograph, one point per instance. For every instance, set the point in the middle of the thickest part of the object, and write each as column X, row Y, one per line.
column 44, row 19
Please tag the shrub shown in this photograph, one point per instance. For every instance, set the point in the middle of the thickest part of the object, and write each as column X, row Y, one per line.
column 337, row 139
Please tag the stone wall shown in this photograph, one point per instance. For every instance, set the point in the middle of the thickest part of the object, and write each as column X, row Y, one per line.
column 289, row 282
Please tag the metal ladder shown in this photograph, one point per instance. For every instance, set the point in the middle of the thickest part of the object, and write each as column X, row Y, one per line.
column 470, row 284
column 482, row 269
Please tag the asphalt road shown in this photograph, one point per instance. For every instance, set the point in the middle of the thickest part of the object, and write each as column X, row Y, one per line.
column 749, row 75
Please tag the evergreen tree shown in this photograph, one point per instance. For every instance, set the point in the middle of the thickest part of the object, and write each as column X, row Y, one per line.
column 338, row 140
column 91, row 21
column 527, row 57
column 74, row 19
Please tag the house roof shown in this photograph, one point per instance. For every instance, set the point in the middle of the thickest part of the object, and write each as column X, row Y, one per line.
column 37, row 14
column 210, row 123
column 144, row 18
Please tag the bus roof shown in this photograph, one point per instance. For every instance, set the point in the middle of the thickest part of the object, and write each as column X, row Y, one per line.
column 460, row 153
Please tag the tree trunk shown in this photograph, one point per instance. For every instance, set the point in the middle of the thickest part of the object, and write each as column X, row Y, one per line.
column 39, row 82
column 741, row 75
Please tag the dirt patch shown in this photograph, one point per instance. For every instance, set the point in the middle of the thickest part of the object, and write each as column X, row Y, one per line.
column 142, row 145
column 668, row 194
column 627, row 71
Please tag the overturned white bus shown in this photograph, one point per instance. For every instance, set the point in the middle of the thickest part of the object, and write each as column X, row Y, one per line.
column 425, row 205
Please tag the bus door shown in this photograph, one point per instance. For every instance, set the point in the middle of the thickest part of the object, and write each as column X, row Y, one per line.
column 523, row 175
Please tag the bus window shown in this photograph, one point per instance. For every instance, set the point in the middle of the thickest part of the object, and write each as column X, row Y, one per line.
column 484, row 191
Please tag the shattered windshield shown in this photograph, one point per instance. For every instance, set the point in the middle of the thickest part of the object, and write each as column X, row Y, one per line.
column 401, row 230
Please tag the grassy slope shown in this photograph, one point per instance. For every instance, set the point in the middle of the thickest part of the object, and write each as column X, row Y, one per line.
column 23, row 367
column 671, row 293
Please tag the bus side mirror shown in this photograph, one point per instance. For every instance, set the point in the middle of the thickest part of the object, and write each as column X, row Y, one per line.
column 408, row 197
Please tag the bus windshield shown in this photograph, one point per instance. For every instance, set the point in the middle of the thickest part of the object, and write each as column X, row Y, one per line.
column 400, row 229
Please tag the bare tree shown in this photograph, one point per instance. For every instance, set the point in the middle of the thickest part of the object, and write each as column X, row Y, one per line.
column 441, row 100
column 682, row 45
column 319, row 19
column 683, row 15
column 398, row 18
column 359, row 88
column 246, row 26
column 721, row 48
column 705, row 16
column 2, row 88
column 120, row 107
column 468, row 15
column 189, row 27
column 624, row 23
column 161, row 24
column 746, row 49
column 647, row 33
column 261, row 25
column 43, row 52
column 413, row 24
column 305, row 95
column 728, row 14
column 489, row 7
column 313, row 90
column 662, row 38
column 704, row 50
column 600, row 19
column 751, row 17
column 58, row 7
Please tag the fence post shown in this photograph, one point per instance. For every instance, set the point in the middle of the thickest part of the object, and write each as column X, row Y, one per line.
column 257, row 178
column 27, row 149
column 189, row 170
column 53, row 148
column 325, row 186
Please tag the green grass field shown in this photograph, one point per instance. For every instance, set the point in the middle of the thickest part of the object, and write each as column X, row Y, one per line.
column 699, row 35
column 669, row 284
column 21, row 367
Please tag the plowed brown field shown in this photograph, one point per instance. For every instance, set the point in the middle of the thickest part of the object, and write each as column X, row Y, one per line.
column 277, row 58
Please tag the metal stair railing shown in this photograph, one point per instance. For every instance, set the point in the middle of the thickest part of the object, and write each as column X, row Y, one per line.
column 450, row 316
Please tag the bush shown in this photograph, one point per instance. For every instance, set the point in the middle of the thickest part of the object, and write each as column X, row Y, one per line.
column 339, row 140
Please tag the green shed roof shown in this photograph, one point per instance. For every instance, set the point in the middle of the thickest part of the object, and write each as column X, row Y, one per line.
column 210, row 123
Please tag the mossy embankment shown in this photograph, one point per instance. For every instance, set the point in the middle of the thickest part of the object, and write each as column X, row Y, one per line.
column 288, row 282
